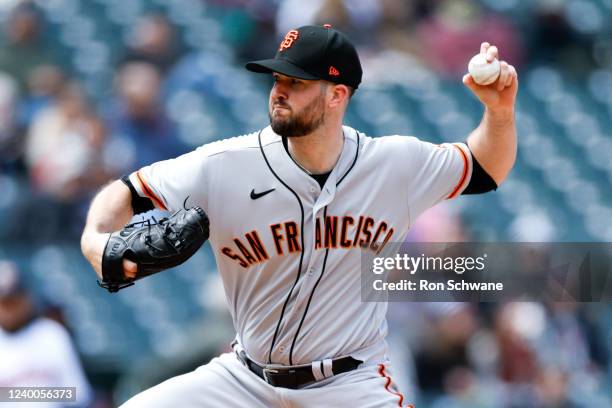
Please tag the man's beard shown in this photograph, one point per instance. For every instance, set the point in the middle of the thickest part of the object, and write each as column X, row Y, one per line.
column 302, row 123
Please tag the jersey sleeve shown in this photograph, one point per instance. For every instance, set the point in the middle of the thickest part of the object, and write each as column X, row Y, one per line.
column 169, row 183
column 435, row 173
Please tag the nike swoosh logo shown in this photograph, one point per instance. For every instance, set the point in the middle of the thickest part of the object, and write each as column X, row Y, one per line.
column 255, row 196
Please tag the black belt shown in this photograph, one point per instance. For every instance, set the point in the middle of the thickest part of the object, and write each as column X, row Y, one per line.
column 295, row 377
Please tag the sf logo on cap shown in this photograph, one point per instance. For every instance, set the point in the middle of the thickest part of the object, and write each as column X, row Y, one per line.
column 288, row 40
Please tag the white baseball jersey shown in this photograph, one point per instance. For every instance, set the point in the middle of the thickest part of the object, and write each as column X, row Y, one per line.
column 288, row 251
column 42, row 355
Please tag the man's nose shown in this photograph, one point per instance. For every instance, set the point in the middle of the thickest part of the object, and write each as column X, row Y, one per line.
column 279, row 91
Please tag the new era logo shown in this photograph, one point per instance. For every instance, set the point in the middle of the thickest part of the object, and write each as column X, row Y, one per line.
column 333, row 71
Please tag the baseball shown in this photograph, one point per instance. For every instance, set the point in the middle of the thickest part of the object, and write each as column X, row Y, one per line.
column 483, row 72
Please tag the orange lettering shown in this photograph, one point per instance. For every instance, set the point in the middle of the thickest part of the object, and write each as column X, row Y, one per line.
column 331, row 231
column 257, row 246
column 292, row 232
column 318, row 234
column 381, row 228
column 228, row 252
column 245, row 252
column 346, row 221
column 278, row 237
column 369, row 223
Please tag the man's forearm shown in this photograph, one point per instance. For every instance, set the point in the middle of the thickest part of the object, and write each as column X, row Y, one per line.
column 493, row 143
column 110, row 210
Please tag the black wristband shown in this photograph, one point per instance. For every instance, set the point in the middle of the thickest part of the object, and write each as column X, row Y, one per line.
column 139, row 204
column 480, row 182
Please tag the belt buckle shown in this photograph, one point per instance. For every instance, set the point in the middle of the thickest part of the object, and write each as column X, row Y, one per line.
column 266, row 371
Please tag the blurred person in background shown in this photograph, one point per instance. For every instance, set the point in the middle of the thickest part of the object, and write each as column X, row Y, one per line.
column 546, row 356
column 139, row 128
column 45, row 83
column 515, row 354
column 22, row 50
column 444, row 347
column 516, row 327
column 247, row 24
column 9, row 137
column 63, row 147
column 21, row 54
column 152, row 42
column 17, row 114
column 447, row 37
column 566, row 34
column 438, row 224
column 296, row 13
column 398, row 23
column 35, row 351
column 573, row 355
column 359, row 19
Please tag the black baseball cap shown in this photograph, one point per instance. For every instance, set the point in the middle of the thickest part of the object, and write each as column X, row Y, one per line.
column 314, row 52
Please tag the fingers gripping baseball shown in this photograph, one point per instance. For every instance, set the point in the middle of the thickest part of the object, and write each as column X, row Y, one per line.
column 494, row 94
column 504, row 73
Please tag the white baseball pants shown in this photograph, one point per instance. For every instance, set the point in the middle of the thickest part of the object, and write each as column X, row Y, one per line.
column 225, row 383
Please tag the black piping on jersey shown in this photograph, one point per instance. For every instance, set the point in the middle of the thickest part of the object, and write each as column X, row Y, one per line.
column 352, row 164
column 297, row 332
column 284, row 139
column 280, row 319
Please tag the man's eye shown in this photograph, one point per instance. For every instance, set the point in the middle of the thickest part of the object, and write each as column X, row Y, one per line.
column 295, row 81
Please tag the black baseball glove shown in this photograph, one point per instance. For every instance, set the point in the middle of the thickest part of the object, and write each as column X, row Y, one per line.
column 153, row 245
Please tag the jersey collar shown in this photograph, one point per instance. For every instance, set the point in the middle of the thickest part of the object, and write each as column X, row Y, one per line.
column 296, row 178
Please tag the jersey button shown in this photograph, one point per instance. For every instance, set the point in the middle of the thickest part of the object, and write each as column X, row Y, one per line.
column 313, row 190
column 281, row 349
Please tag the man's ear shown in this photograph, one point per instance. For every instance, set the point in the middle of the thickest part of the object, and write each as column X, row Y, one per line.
column 338, row 95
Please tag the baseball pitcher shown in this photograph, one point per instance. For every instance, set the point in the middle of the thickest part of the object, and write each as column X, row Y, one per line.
column 288, row 210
